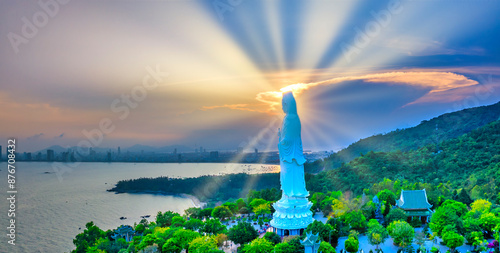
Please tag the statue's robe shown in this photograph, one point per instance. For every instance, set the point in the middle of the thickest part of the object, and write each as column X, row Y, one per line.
column 291, row 154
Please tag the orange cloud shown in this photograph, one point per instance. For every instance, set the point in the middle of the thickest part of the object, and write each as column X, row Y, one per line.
column 435, row 81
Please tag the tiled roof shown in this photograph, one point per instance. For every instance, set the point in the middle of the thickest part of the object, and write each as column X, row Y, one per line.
column 414, row 200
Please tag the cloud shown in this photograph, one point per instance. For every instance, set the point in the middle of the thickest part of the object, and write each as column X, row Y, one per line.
column 434, row 81
column 34, row 137
column 59, row 136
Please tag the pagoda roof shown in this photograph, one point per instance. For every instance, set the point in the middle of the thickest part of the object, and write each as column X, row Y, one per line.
column 413, row 200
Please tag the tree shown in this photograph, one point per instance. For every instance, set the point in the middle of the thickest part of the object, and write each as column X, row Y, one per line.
column 180, row 240
column 325, row 247
column 356, row 220
column 448, row 214
column 206, row 213
column 387, row 196
column 262, row 209
column 464, row 197
column 339, row 208
column 87, row 238
column 324, row 230
column 105, row 245
column 294, row 241
column 244, row 210
column 140, row 228
column 284, row 248
column 203, row 244
column 256, row 202
column 482, row 206
column 394, row 215
column 213, row 226
column 259, row 245
column 240, row 203
column 221, row 212
column 377, row 234
column 165, row 219
column 337, row 228
column 452, row 240
column 193, row 212
column 272, row 237
column 488, row 222
column 221, row 238
column 232, row 207
column 401, row 232
column 193, row 224
column 178, row 221
column 242, row 233
column 352, row 243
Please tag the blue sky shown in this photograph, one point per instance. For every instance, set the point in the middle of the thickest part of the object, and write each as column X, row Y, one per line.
column 357, row 68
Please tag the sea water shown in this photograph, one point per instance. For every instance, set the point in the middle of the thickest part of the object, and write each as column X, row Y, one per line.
column 52, row 208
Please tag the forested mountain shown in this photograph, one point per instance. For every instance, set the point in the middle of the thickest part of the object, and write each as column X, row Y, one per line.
column 471, row 161
column 441, row 128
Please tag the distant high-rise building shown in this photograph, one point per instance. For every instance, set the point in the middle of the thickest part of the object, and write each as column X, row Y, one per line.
column 201, row 149
column 27, row 156
column 39, row 156
column 256, row 151
column 50, row 155
column 175, row 151
column 214, row 155
column 119, row 151
column 109, row 156
column 0, row 153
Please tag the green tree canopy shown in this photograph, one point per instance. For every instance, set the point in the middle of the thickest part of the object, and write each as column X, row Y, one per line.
column 284, row 248
column 165, row 219
column 351, row 244
column 256, row 202
column 203, row 244
column 213, row 226
column 221, row 212
column 259, row 245
column 325, row 247
column 324, row 230
column 193, row 224
column 448, row 214
column 377, row 234
column 401, row 232
column 394, row 215
column 87, row 238
column 193, row 212
column 272, row 237
column 355, row 219
column 452, row 240
column 387, row 196
column 242, row 233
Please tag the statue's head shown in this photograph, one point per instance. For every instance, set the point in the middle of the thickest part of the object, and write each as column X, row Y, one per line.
column 288, row 103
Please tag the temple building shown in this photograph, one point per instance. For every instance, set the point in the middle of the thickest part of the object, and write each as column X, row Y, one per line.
column 415, row 204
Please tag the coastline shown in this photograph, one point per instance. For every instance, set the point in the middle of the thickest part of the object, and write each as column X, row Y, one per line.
column 194, row 199
column 196, row 202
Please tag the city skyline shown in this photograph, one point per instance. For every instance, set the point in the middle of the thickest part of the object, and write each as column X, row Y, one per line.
column 202, row 73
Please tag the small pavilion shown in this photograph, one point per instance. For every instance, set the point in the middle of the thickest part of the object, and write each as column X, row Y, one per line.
column 415, row 204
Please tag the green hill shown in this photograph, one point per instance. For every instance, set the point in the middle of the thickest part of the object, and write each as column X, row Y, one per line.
column 471, row 161
column 444, row 127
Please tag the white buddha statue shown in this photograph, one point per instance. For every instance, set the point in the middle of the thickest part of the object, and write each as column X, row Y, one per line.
column 290, row 151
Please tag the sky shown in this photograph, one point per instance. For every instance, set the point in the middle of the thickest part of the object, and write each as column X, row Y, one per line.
column 210, row 73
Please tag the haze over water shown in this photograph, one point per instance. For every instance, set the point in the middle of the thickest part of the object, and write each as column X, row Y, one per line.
column 50, row 212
